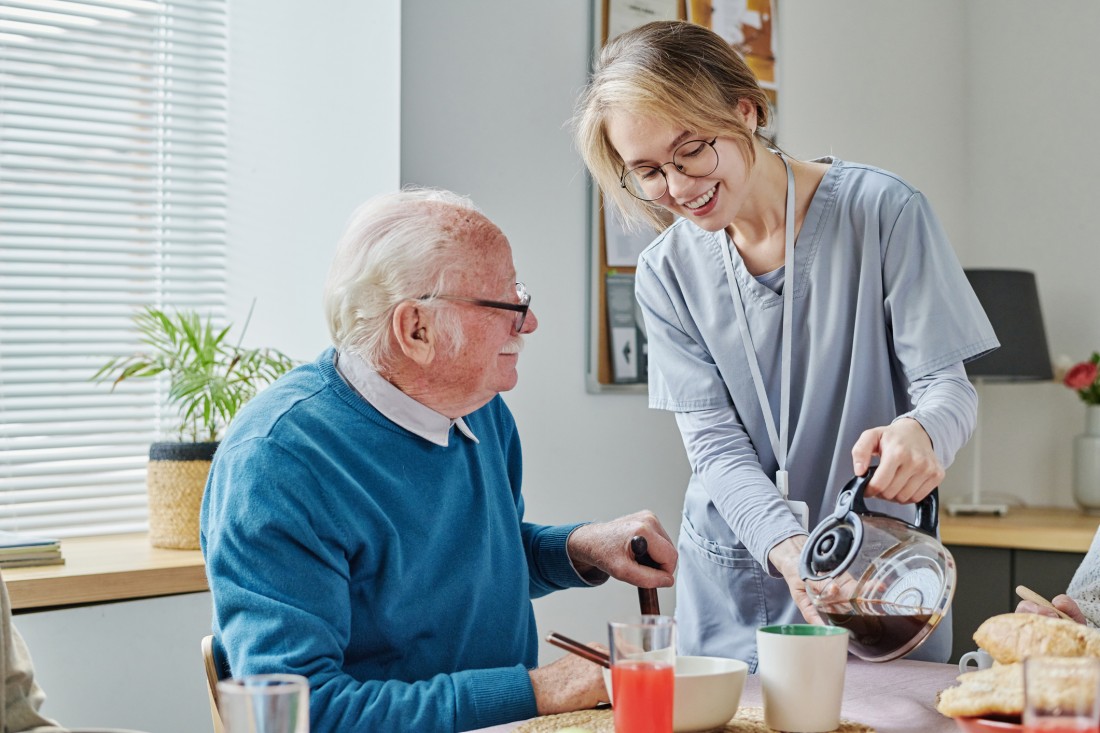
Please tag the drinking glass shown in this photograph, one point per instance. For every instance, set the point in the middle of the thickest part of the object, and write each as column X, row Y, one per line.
column 643, row 673
column 1061, row 694
column 265, row 703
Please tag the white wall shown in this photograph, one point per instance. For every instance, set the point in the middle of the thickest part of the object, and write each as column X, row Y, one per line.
column 858, row 81
column 314, row 131
column 314, row 110
column 1034, row 117
column 133, row 664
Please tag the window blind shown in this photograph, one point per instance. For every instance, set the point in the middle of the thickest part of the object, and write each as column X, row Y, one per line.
column 112, row 196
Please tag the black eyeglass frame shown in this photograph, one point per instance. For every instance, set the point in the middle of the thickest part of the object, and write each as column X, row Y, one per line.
column 661, row 168
column 520, row 308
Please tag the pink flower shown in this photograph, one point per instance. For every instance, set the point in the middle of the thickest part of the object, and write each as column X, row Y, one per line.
column 1081, row 376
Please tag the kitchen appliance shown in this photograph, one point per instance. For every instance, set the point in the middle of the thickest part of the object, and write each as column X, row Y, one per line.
column 888, row 582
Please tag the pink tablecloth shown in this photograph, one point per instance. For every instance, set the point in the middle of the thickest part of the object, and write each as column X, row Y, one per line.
column 896, row 697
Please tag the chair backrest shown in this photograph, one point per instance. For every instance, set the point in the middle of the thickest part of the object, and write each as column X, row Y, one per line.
column 213, row 674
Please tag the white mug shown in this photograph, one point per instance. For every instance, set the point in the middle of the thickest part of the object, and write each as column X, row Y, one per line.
column 975, row 660
column 801, row 672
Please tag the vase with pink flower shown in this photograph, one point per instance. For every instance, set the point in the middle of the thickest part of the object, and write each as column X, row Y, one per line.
column 1084, row 378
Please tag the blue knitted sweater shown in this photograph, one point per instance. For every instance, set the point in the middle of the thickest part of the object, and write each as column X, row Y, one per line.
column 396, row 575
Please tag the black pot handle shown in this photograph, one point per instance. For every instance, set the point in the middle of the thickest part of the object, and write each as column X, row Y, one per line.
column 928, row 508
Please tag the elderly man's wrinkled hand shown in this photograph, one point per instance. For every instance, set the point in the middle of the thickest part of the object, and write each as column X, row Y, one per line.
column 569, row 684
column 605, row 546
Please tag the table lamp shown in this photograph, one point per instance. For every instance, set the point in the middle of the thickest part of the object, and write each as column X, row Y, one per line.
column 1011, row 301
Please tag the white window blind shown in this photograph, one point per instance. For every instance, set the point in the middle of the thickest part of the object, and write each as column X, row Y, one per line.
column 112, row 196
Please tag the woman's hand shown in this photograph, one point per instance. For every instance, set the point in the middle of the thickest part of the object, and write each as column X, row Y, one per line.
column 784, row 556
column 1062, row 602
column 908, row 469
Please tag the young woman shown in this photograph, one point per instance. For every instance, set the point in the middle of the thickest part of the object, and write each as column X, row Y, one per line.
column 803, row 317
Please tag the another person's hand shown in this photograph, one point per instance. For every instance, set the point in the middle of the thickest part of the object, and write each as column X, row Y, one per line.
column 908, row 469
column 1062, row 602
column 569, row 684
column 606, row 546
column 784, row 556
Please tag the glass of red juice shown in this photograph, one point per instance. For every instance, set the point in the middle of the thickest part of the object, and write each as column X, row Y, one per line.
column 643, row 673
column 1061, row 695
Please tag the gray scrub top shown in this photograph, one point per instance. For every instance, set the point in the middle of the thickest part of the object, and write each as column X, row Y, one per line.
column 880, row 300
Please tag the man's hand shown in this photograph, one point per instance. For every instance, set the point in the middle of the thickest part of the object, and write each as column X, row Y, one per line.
column 569, row 684
column 784, row 556
column 1062, row 602
column 606, row 546
column 908, row 469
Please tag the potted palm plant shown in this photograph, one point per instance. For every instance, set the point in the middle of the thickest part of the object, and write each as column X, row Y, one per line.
column 210, row 379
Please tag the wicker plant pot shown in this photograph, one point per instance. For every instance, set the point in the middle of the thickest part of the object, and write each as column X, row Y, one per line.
column 175, row 480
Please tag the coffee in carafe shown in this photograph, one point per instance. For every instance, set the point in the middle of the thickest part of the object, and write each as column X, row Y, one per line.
column 877, row 630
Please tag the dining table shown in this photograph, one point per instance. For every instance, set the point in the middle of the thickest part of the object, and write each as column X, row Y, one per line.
column 891, row 697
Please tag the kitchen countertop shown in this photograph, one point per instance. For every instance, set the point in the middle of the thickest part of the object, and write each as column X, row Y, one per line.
column 1049, row 529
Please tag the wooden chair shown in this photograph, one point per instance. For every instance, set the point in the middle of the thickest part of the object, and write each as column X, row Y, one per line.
column 214, row 672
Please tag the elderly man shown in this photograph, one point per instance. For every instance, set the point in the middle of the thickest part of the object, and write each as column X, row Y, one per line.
column 363, row 523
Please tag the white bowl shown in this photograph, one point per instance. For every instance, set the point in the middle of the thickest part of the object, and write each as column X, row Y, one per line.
column 707, row 693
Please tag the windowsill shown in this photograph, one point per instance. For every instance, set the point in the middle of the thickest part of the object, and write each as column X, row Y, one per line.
column 103, row 569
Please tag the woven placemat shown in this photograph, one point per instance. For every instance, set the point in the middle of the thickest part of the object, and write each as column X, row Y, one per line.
column 747, row 720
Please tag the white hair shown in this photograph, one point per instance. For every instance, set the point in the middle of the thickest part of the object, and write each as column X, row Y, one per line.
column 396, row 247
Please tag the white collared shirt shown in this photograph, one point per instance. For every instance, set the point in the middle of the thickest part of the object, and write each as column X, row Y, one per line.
column 417, row 418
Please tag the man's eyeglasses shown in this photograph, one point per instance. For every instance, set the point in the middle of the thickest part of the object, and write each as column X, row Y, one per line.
column 520, row 308
column 695, row 159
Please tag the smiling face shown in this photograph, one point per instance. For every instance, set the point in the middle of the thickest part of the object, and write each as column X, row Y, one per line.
column 485, row 365
column 711, row 202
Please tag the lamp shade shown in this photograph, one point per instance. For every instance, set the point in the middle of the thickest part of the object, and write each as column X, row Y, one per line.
column 1011, row 301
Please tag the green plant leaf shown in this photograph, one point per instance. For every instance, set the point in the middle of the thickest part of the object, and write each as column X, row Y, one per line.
column 209, row 382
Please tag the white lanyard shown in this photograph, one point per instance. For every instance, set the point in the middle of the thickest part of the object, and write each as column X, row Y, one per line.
column 779, row 440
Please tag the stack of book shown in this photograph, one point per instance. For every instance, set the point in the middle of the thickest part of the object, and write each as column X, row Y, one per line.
column 18, row 550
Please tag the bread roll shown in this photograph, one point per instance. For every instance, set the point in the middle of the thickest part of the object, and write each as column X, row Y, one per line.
column 998, row 690
column 1013, row 637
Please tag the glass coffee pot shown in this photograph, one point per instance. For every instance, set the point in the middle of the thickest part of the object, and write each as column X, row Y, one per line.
column 887, row 581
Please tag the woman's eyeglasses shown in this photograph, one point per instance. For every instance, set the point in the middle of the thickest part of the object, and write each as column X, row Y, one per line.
column 694, row 159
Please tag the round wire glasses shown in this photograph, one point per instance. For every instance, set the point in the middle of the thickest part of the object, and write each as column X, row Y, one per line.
column 694, row 159
column 521, row 308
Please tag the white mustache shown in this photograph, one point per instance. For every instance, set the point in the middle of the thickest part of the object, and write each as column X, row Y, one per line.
column 514, row 346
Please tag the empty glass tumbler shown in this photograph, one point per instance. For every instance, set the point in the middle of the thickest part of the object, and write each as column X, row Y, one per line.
column 265, row 703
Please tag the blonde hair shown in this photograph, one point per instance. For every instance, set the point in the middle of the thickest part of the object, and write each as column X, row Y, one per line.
column 673, row 72
column 396, row 247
